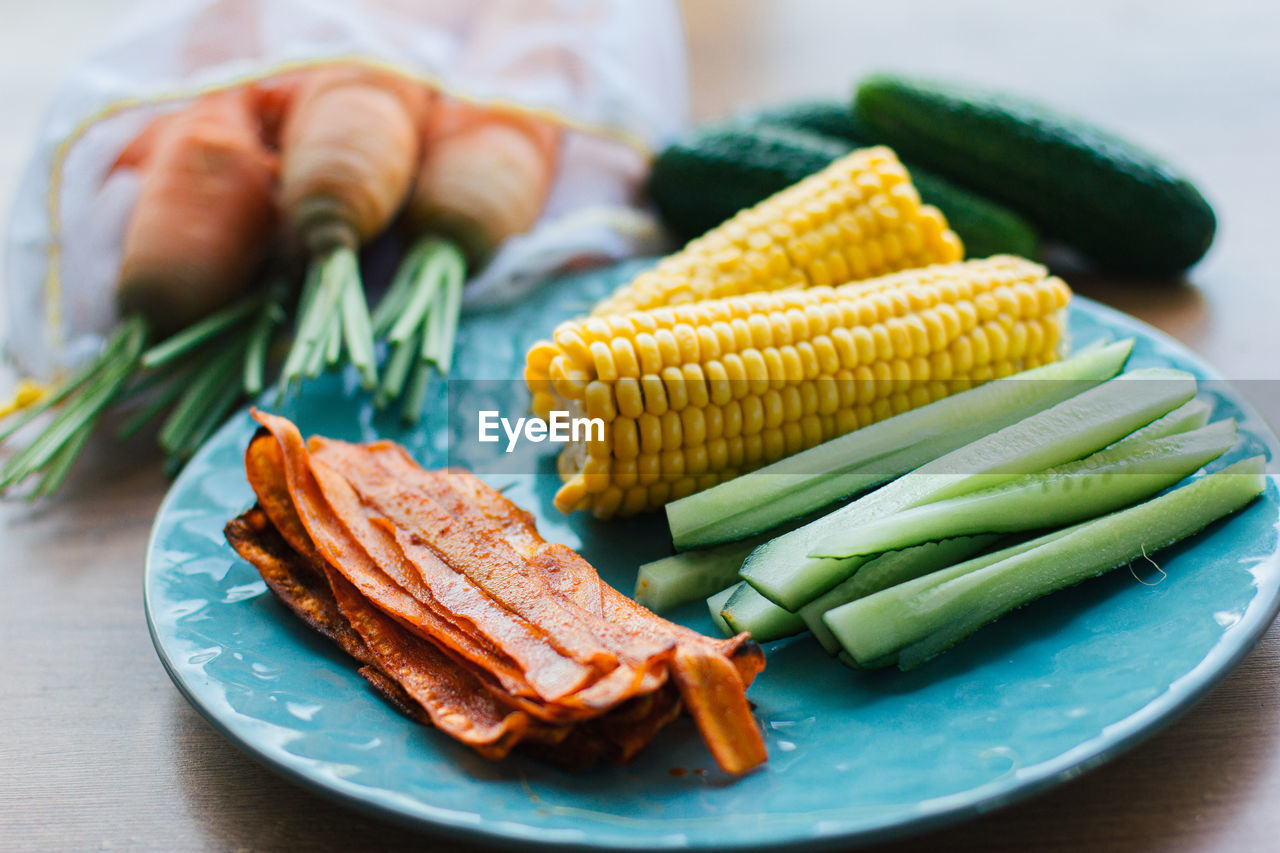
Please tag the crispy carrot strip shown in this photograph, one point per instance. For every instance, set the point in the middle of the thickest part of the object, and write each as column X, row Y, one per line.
column 413, row 674
column 483, row 509
column 294, row 579
column 717, row 700
column 712, row 674
column 646, row 669
column 456, row 701
column 488, row 563
column 549, row 673
column 372, row 508
column 264, row 468
column 339, row 549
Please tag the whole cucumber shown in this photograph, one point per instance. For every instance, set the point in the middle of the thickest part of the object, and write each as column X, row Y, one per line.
column 1123, row 208
column 702, row 180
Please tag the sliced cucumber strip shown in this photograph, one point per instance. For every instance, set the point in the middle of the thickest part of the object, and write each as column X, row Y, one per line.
column 747, row 610
column 715, row 604
column 782, row 570
column 681, row 578
column 1192, row 414
column 758, row 615
column 921, row 618
column 885, row 571
column 866, row 457
column 1103, row 482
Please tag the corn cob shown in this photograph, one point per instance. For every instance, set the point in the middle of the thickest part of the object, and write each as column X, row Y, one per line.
column 858, row 218
column 696, row 394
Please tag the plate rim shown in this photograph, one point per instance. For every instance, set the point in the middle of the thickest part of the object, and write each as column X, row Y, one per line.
column 1186, row 691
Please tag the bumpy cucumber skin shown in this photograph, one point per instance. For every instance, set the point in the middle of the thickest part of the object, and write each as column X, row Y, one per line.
column 701, row 181
column 825, row 118
column 1123, row 208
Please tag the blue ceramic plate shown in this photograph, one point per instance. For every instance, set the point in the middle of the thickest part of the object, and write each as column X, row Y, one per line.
column 1045, row 693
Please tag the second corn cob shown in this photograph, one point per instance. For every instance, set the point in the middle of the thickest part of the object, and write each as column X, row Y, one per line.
column 696, row 394
column 860, row 217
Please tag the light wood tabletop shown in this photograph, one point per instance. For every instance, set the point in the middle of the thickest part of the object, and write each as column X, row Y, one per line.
column 99, row 750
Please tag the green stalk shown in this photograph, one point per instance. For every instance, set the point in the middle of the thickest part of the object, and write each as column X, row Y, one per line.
column 449, row 310
column 325, row 283
column 357, row 329
column 177, row 383
column 84, row 409
column 416, row 396
column 255, row 358
column 397, row 370
column 76, row 380
column 198, row 400
column 62, row 461
column 333, row 343
column 201, row 333
column 316, row 357
column 394, row 301
column 222, row 400
column 426, row 284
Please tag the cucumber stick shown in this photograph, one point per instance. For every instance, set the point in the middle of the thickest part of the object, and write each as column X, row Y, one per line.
column 1089, row 487
column 897, row 567
column 921, row 618
column 1192, row 414
column 782, row 570
column 744, row 609
column 715, row 603
column 754, row 613
column 678, row 579
column 866, row 457
column 885, row 571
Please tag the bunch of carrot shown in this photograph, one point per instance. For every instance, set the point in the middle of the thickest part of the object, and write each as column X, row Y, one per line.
column 236, row 188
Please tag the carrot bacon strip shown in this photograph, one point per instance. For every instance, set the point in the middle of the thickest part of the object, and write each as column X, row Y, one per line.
column 294, row 579
column 488, row 563
column 427, row 684
column 453, row 698
column 340, row 550
column 548, row 673
column 717, row 701
column 467, row 617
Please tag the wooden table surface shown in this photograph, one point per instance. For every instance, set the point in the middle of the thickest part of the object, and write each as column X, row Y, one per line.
column 98, row 749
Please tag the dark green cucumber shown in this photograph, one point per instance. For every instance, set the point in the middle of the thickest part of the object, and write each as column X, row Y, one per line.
column 1120, row 206
column 832, row 119
column 701, row 181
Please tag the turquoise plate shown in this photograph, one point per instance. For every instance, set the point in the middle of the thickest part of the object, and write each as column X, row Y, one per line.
column 1039, row 697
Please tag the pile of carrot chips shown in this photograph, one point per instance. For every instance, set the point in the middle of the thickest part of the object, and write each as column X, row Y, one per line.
column 464, row 618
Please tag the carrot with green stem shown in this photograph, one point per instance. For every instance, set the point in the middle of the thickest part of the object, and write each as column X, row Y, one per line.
column 204, row 217
column 349, row 145
column 484, row 177
column 202, row 223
